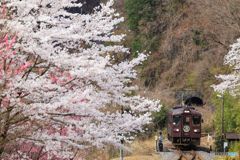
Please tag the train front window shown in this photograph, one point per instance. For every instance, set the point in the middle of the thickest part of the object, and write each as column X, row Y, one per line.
column 196, row 120
column 186, row 120
column 176, row 119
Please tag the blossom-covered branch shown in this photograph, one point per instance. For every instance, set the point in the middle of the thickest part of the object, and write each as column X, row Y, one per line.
column 231, row 82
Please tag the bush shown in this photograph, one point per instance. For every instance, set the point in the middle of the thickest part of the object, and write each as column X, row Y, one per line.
column 234, row 147
column 218, row 143
column 199, row 39
column 136, row 46
column 160, row 118
column 140, row 10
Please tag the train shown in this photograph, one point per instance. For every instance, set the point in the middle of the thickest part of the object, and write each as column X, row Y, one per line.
column 184, row 126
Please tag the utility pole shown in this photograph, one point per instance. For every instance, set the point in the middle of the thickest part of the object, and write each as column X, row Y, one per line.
column 121, row 150
column 121, row 147
column 223, row 122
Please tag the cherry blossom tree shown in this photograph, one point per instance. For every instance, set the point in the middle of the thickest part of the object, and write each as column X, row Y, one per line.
column 67, row 85
column 231, row 82
column 13, row 123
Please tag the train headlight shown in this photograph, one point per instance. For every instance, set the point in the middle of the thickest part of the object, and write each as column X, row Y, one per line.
column 196, row 130
column 186, row 111
column 176, row 130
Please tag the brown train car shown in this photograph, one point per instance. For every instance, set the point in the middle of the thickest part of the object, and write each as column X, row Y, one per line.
column 184, row 126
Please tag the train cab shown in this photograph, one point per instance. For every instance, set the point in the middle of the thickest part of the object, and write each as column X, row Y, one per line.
column 184, row 126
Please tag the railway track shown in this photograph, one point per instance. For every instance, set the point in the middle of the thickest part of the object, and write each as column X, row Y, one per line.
column 171, row 152
column 186, row 155
column 189, row 155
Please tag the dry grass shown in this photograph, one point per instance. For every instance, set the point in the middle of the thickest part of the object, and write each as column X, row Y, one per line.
column 142, row 150
column 145, row 147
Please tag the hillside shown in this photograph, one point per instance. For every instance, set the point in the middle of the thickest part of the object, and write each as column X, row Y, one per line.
column 188, row 40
